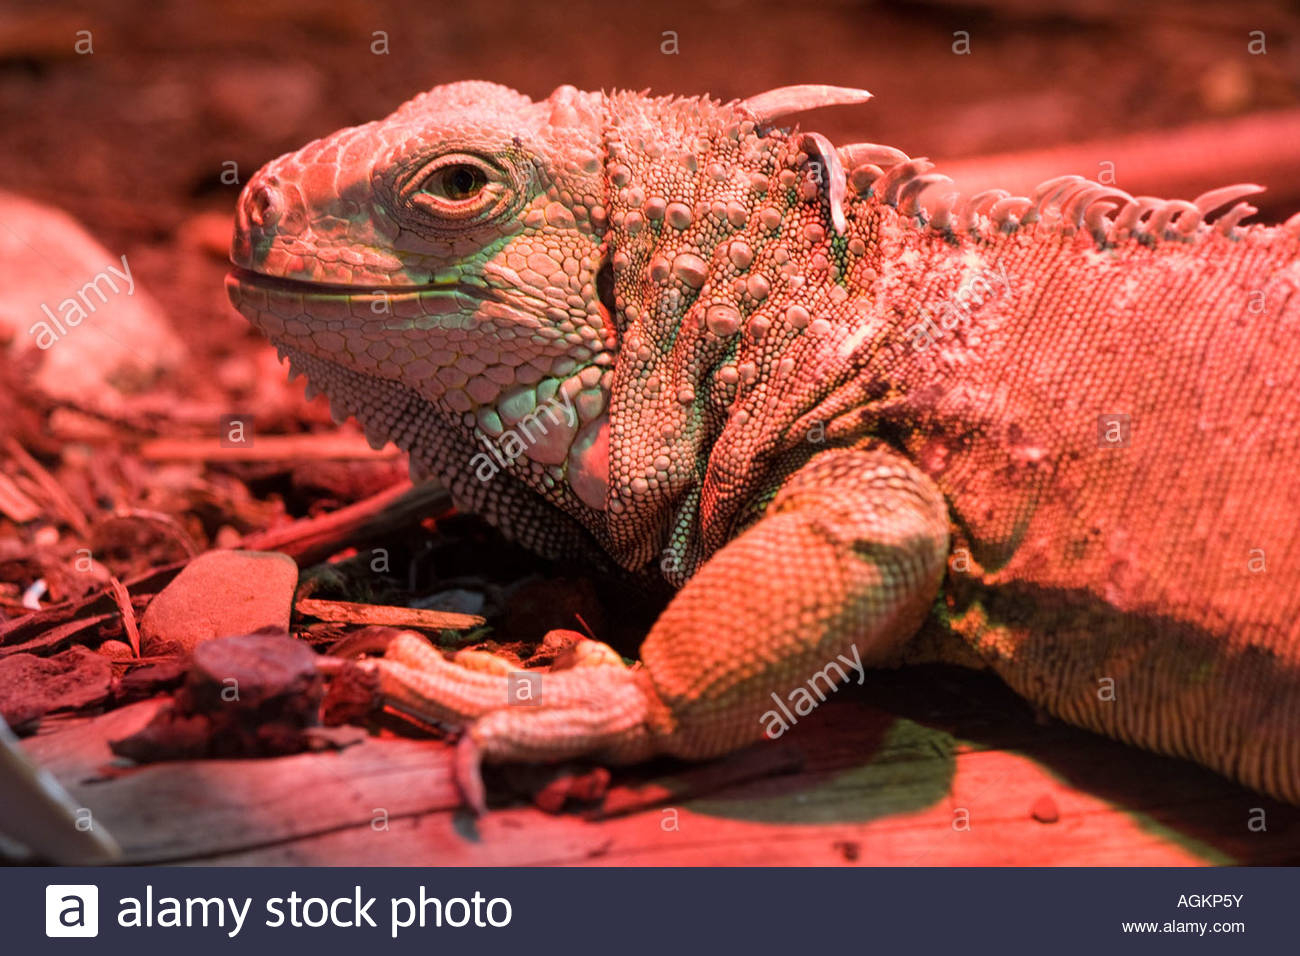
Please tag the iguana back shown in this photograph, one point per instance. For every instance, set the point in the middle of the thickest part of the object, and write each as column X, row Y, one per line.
column 1116, row 429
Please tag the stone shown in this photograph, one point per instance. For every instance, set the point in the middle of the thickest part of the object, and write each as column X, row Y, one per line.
column 220, row 594
column 244, row 696
column 116, row 651
column 1045, row 810
column 80, row 306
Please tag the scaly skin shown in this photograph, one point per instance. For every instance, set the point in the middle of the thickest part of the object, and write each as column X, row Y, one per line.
column 839, row 426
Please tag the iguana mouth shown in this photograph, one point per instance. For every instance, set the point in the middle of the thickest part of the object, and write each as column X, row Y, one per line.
column 239, row 276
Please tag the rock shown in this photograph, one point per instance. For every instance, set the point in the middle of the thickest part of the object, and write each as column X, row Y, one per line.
column 259, row 672
column 31, row 686
column 102, row 332
column 218, row 594
column 1045, row 810
column 247, row 696
column 455, row 600
column 117, row 651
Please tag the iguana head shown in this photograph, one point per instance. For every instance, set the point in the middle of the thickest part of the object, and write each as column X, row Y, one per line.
column 454, row 248
column 531, row 273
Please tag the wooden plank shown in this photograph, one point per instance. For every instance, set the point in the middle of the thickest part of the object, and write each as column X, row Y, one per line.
column 172, row 811
column 918, row 767
column 916, row 797
column 702, row 834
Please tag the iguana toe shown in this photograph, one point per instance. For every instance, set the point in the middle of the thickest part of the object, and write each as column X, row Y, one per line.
column 598, row 707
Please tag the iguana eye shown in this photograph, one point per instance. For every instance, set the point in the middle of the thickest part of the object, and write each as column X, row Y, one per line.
column 459, row 191
column 457, row 182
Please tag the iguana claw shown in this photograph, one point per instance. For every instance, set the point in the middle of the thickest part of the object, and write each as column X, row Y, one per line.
column 598, row 707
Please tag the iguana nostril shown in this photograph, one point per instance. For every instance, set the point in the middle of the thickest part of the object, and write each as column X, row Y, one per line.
column 265, row 205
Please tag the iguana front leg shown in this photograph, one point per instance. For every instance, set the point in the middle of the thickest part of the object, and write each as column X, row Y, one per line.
column 846, row 559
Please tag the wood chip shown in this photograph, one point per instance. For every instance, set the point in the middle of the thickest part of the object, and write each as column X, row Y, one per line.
column 31, row 686
column 38, row 623
column 122, row 597
column 59, row 499
column 346, row 612
column 16, row 506
column 56, row 637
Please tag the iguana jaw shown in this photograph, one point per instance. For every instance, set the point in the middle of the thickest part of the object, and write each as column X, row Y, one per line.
column 558, row 422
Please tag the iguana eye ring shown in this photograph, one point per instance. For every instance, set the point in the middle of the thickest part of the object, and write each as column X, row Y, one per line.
column 457, row 188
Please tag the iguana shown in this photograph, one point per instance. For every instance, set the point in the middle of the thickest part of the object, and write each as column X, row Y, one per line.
column 1055, row 436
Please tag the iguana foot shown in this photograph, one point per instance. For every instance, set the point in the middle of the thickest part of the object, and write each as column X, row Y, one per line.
column 598, row 706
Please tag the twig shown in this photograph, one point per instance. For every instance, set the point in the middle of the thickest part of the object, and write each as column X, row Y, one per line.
column 306, row 447
column 311, row 540
column 347, row 612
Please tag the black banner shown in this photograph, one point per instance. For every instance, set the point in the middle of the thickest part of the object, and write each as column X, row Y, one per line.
column 653, row 911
